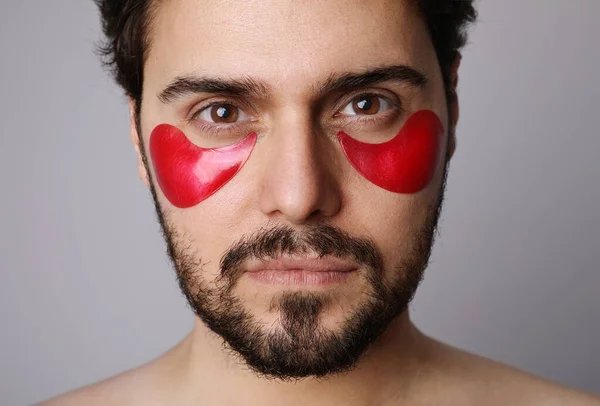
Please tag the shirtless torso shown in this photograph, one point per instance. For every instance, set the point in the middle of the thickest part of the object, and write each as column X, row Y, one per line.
column 444, row 376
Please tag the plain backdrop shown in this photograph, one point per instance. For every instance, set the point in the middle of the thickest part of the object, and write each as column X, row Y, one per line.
column 86, row 290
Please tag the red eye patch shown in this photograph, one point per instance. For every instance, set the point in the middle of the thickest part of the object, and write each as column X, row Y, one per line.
column 188, row 174
column 406, row 163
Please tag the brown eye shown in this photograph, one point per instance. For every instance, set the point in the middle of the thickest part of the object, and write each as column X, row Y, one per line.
column 366, row 105
column 224, row 113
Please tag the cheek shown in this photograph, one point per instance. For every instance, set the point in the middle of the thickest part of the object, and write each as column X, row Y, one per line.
column 405, row 164
column 188, row 174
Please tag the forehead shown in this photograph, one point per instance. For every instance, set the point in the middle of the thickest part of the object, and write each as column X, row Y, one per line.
column 283, row 42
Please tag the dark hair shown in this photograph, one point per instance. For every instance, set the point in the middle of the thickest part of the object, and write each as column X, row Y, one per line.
column 127, row 27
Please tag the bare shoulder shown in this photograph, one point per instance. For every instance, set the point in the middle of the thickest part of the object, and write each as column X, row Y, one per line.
column 490, row 382
column 104, row 392
column 120, row 390
column 146, row 385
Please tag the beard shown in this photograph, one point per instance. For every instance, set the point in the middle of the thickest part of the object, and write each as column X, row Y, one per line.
column 298, row 345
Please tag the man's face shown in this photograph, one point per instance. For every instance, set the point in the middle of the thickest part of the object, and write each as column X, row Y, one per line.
column 297, row 197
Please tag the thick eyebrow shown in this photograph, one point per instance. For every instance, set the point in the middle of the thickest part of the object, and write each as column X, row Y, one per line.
column 185, row 85
column 351, row 81
column 252, row 88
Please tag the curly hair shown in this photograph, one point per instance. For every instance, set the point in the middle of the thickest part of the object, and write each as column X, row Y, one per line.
column 127, row 27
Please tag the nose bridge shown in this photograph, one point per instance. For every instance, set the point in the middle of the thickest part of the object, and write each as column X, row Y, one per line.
column 299, row 181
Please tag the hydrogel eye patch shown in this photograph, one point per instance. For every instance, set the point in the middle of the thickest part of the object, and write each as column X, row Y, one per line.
column 188, row 174
column 406, row 163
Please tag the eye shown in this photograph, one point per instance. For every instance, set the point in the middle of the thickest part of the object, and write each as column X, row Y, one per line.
column 366, row 105
column 222, row 113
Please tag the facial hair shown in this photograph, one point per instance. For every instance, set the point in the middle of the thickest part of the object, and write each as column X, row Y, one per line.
column 299, row 346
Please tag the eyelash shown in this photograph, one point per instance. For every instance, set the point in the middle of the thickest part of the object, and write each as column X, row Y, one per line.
column 396, row 106
column 216, row 129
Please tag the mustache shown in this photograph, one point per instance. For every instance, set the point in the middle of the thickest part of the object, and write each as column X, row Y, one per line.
column 321, row 239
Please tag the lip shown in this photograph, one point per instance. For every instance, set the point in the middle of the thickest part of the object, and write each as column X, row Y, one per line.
column 301, row 271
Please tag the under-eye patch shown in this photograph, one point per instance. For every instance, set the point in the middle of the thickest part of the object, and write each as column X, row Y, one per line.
column 406, row 163
column 188, row 174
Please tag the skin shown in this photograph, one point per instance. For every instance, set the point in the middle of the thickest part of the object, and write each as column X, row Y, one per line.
column 298, row 175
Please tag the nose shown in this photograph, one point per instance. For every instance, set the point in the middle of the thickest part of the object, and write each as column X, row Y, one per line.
column 298, row 184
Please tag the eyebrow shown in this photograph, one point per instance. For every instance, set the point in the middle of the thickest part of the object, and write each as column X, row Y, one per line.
column 352, row 81
column 185, row 85
column 252, row 88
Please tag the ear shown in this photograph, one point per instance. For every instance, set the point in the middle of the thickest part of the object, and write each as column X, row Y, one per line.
column 453, row 105
column 135, row 141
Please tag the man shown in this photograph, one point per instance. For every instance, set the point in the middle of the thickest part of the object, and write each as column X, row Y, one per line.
column 297, row 153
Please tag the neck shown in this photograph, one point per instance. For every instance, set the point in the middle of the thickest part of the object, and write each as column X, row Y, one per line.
column 387, row 370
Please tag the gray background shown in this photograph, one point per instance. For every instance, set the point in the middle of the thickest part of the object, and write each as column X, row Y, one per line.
column 86, row 290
